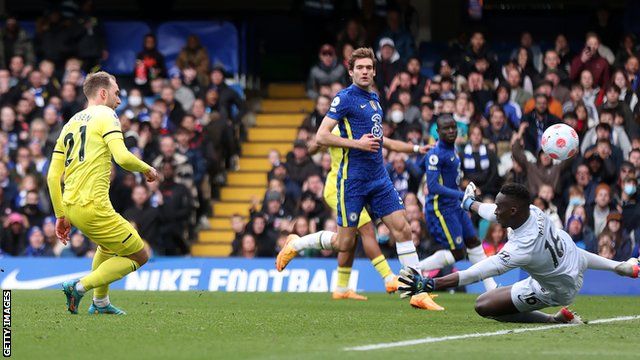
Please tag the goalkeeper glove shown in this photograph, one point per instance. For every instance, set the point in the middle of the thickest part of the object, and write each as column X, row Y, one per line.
column 413, row 283
column 469, row 196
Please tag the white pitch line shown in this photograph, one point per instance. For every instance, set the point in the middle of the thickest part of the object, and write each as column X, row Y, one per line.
column 477, row 335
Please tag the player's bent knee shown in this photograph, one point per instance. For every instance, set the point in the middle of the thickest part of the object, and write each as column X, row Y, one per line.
column 141, row 257
column 483, row 306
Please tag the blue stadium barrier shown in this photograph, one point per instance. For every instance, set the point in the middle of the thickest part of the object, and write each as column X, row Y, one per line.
column 242, row 275
column 219, row 37
column 124, row 41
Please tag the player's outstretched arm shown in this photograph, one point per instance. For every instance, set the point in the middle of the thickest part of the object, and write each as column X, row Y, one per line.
column 405, row 147
column 128, row 161
column 434, row 186
column 324, row 137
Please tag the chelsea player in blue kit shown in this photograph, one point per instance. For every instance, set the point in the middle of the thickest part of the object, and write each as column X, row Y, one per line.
column 448, row 223
column 362, row 178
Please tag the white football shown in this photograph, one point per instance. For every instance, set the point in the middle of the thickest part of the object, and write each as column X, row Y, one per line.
column 560, row 142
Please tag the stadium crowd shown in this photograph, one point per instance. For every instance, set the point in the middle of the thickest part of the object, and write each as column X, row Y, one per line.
column 184, row 120
column 501, row 109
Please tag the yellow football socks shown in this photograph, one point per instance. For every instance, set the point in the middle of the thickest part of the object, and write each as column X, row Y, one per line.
column 344, row 273
column 382, row 266
column 109, row 271
column 101, row 256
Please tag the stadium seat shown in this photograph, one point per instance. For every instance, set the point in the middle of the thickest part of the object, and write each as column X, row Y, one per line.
column 286, row 91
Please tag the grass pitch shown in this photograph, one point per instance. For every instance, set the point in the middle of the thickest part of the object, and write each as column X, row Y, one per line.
column 207, row 325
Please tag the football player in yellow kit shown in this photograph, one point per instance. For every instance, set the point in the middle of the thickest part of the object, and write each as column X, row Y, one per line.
column 83, row 154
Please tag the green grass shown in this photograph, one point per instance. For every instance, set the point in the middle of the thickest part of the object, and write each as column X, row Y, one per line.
column 205, row 325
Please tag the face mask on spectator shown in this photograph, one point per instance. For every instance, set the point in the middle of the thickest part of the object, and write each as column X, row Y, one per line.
column 383, row 239
column 135, row 101
column 629, row 189
column 397, row 116
column 576, row 201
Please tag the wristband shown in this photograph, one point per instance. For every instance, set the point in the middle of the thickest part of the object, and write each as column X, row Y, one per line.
column 416, row 148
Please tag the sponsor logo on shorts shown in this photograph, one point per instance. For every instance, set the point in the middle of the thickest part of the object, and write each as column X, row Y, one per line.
column 353, row 216
column 459, row 240
column 529, row 299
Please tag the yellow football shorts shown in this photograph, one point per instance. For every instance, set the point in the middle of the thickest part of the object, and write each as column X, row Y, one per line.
column 105, row 227
column 331, row 198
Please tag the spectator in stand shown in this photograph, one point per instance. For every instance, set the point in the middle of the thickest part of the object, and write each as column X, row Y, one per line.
column 299, row 165
column 498, row 133
column 145, row 216
column 230, row 101
column 49, row 230
column 612, row 101
column 194, row 54
column 18, row 70
column 558, row 90
column 70, row 103
column 582, row 236
column 623, row 244
column 175, row 110
column 417, row 81
column 590, row 59
column 629, row 197
column 15, row 41
column 511, row 109
column 326, row 71
column 476, row 49
column 313, row 120
column 606, row 245
column 554, row 106
column 626, row 94
column 601, row 162
column 182, row 94
column 402, row 38
column 597, row 213
column 631, row 68
column 78, row 246
column 479, row 163
column 480, row 93
column 533, row 50
column 518, row 94
column 182, row 170
column 149, row 62
column 136, row 109
column 265, row 237
column 13, row 236
column 387, row 66
column 543, row 171
column 552, row 63
column 248, row 248
column 176, row 206
column 537, row 121
column 608, row 131
column 494, row 240
column 238, row 226
column 37, row 246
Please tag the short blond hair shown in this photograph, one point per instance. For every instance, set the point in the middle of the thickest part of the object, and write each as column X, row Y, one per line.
column 361, row 53
column 96, row 81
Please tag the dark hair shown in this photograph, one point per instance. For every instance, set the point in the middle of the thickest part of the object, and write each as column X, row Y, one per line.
column 569, row 115
column 517, row 191
column 362, row 53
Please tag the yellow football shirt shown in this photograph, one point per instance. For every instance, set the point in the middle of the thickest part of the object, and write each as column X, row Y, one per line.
column 83, row 143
